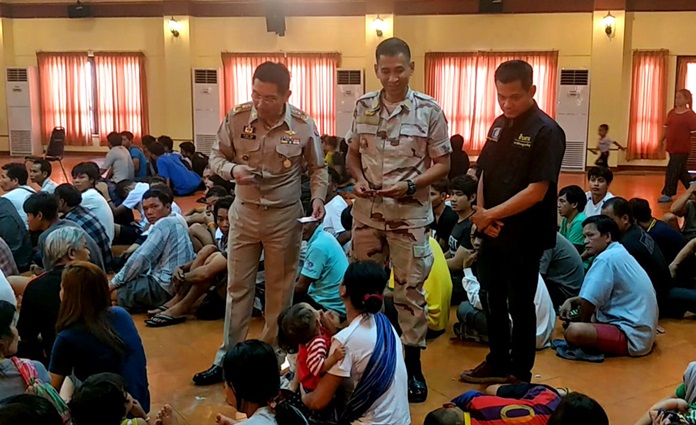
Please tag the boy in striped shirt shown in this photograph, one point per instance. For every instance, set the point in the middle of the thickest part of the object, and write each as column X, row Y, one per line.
column 300, row 329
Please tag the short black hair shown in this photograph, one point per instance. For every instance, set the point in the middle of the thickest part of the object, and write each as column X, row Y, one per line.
column 274, row 73
column 330, row 140
column 217, row 191
column 102, row 396
column 602, row 172
column 44, row 203
column 122, row 188
column 28, row 409
column 114, row 139
column 605, row 226
column 515, row 70
column 641, row 209
column 187, row 147
column 465, row 184
column 334, row 177
column 578, row 409
column 166, row 141
column 148, row 140
column 347, row 218
column 223, row 203
column 44, row 165
column 160, row 194
column 69, row 194
column 620, row 207
column 604, row 126
column 88, row 168
column 575, row 195
column 156, row 148
column 17, row 171
column 128, row 135
column 457, row 142
column 393, row 47
column 441, row 186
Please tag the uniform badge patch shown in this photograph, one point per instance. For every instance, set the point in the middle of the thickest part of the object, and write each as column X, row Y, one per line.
column 249, row 130
column 495, row 134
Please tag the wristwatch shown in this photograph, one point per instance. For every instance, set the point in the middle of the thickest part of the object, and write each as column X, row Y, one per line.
column 411, row 187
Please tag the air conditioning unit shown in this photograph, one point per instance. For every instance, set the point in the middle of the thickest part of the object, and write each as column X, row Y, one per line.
column 23, row 119
column 572, row 114
column 207, row 108
column 350, row 85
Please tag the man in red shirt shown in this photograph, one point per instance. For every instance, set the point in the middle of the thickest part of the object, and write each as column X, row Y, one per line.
column 680, row 129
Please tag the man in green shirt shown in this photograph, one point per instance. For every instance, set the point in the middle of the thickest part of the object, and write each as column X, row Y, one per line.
column 571, row 204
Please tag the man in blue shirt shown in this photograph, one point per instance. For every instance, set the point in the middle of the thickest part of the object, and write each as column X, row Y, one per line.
column 138, row 157
column 182, row 180
column 618, row 292
column 324, row 266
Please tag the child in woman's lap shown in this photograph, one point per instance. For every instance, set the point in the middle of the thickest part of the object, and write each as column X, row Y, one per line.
column 300, row 330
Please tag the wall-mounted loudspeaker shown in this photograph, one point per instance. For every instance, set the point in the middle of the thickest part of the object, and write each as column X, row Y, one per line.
column 275, row 21
column 79, row 10
column 490, row 6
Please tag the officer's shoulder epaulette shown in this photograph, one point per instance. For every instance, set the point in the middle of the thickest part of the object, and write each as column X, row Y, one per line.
column 369, row 95
column 426, row 100
column 244, row 107
column 298, row 113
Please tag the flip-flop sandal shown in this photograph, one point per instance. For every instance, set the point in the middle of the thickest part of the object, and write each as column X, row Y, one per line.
column 579, row 355
column 160, row 309
column 556, row 343
column 164, row 320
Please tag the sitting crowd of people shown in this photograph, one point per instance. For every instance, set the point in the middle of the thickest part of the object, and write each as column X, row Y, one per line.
column 613, row 268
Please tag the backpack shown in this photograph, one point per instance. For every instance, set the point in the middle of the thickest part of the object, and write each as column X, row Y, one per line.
column 35, row 386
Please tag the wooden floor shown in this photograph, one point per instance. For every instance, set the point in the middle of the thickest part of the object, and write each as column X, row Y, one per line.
column 625, row 387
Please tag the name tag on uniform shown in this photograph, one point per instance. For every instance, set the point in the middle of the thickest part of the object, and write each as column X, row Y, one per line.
column 248, row 136
column 368, row 119
column 287, row 140
column 523, row 141
column 495, row 134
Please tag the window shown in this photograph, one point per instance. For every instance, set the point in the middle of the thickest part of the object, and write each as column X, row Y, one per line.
column 463, row 85
column 648, row 100
column 313, row 82
column 93, row 95
column 686, row 73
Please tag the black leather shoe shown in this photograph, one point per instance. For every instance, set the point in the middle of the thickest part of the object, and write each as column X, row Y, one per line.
column 208, row 377
column 417, row 390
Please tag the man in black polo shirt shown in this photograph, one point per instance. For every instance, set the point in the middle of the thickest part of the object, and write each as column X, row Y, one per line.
column 642, row 247
column 516, row 212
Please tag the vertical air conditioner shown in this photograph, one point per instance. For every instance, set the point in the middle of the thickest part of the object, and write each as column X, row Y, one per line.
column 572, row 114
column 23, row 119
column 207, row 108
column 350, row 85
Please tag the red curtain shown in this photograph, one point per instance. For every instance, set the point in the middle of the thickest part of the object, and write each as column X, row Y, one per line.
column 121, row 94
column 648, row 104
column 313, row 82
column 463, row 84
column 66, row 96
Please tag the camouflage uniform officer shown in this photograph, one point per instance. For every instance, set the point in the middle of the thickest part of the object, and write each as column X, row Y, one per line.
column 262, row 146
column 398, row 146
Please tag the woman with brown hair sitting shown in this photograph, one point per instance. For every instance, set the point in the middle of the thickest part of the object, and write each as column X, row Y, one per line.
column 94, row 337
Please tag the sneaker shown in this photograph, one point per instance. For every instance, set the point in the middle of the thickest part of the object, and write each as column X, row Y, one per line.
column 664, row 199
column 483, row 374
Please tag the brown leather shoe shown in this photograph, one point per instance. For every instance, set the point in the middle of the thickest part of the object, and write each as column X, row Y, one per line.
column 483, row 374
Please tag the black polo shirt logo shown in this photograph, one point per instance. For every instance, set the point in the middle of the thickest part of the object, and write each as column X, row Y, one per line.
column 523, row 141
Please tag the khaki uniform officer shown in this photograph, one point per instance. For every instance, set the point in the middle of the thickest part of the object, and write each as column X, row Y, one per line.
column 266, row 160
column 396, row 137
column 396, row 144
